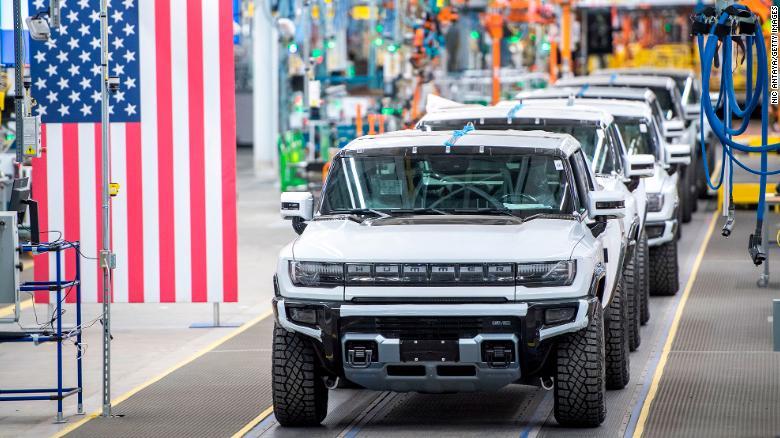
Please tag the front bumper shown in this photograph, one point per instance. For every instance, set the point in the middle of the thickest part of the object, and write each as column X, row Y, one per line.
column 474, row 332
column 661, row 232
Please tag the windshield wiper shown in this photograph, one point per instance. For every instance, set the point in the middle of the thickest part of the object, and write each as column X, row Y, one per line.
column 419, row 210
column 486, row 211
column 361, row 212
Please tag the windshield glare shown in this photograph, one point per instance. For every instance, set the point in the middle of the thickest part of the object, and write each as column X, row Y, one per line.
column 518, row 183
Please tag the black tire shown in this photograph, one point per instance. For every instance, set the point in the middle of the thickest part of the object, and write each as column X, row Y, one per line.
column 631, row 277
column 701, row 178
column 299, row 394
column 579, row 379
column 643, row 261
column 616, row 337
column 664, row 271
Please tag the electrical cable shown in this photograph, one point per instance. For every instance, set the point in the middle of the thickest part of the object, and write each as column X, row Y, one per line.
column 751, row 34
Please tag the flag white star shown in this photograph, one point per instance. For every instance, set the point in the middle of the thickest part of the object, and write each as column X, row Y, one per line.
column 41, row 110
column 130, row 109
column 128, row 4
column 86, row 110
column 119, row 69
column 96, row 69
column 130, row 83
column 111, row 109
column 51, row 43
column 84, row 29
column 119, row 96
column 62, row 56
column 95, row 16
column 63, row 30
column 51, row 69
column 73, row 43
column 73, row 15
column 85, row 57
column 74, row 96
column 74, row 70
column 83, row 4
column 63, row 83
column 129, row 29
column 64, row 110
column 96, row 96
column 110, row 27
column 85, row 83
column 52, row 96
column 95, row 43
column 38, row 4
column 119, row 43
column 40, row 56
column 40, row 83
column 118, row 15
column 110, row 56
column 129, row 56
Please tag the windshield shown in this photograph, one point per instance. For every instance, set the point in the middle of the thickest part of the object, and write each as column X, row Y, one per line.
column 590, row 136
column 638, row 135
column 665, row 99
column 460, row 182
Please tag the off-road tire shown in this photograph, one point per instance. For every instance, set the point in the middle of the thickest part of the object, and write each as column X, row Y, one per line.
column 631, row 278
column 616, row 337
column 299, row 394
column 579, row 378
column 643, row 279
column 664, row 271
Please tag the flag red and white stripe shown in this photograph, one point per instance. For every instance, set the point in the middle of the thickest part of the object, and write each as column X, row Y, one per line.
column 174, row 220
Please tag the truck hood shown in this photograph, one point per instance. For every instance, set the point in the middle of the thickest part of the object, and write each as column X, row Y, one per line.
column 347, row 241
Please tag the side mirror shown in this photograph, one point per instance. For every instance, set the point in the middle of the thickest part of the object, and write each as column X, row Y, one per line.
column 606, row 204
column 298, row 206
column 674, row 128
column 678, row 154
column 641, row 165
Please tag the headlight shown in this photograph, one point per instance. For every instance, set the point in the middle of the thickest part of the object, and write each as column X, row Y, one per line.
column 316, row 274
column 655, row 202
column 547, row 273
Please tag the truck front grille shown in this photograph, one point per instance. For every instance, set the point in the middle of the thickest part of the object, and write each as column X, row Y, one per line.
column 444, row 327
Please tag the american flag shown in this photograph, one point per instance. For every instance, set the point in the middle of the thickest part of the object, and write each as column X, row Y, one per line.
column 172, row 146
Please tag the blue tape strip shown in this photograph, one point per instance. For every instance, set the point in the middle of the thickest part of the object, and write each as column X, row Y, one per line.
column 458, row 134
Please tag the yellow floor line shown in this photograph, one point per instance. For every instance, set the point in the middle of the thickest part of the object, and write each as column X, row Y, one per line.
column 138, row 388
column 9, row 310
column 659, row 371
column 254, row 422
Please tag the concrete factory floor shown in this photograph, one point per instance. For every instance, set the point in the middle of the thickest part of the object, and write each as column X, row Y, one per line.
column 148, row 338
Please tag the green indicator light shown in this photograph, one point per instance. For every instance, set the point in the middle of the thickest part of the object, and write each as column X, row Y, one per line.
column 392, row 48
column 293, row 48
column 378, row 42
column 546, row 47
column 331, row 44
column 388, row 111
column 514, row 38
column 474, row 35
column 379, row 28
column 316, row 53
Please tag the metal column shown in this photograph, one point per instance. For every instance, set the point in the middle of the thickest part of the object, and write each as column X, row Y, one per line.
column 106, row 257
column 18, row 90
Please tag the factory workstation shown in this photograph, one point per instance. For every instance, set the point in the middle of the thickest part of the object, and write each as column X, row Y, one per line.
column 389, row 218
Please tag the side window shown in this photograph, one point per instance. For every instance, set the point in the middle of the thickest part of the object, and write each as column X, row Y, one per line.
column 582, row 178
column 616, row 151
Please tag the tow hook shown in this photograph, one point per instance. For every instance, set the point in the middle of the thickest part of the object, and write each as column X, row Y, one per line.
column 547, row 387
column 359, row 356
column 499, row 354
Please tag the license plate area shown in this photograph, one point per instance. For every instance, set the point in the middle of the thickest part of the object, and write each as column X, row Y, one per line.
column 426, row 350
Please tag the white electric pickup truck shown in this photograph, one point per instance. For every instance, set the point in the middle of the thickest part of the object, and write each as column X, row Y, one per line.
column 452, row 262
column 602, row 145
column 642, row 135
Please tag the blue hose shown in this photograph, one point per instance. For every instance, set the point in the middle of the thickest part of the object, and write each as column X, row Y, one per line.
column 755, row 92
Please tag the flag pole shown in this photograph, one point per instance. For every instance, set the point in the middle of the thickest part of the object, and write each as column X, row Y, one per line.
column 107, row 260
